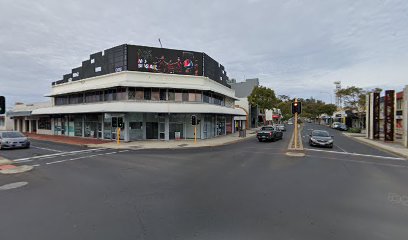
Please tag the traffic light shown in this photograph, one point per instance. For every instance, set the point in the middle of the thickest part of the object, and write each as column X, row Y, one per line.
column 2, row 105
column 296, row 107
column 193, row 120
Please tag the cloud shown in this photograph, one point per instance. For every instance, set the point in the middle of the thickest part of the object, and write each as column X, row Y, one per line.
column 296, row 47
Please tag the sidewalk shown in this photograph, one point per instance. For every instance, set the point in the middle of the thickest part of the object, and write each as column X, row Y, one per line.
column 65, row 139
column 177, row 144
column 391, row 147
column 147, row 144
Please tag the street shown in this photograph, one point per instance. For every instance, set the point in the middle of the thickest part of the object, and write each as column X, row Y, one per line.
column 246, row 190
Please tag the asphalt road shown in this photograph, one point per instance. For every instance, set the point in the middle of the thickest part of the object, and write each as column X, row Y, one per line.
column 247, row 190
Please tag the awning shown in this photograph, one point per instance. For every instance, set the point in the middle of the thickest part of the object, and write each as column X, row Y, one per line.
column 153, row 107
column 18, row 114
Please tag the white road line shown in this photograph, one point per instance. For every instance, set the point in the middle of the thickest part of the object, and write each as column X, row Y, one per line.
column 57, row 155
column 73, row 159
column 124, row 151
column 48, row 149
column 365, row 162
column 340, row 148
column 355, row 154
column 36, row 165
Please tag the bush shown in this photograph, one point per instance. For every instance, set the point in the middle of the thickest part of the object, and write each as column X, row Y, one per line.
column 354, row 130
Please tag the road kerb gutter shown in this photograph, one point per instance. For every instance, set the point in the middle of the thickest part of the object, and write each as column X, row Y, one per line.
column 394, row 152
column 296, row 151
column 8, row 167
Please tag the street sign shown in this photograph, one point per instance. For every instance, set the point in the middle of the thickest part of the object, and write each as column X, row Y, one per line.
column 2, row 104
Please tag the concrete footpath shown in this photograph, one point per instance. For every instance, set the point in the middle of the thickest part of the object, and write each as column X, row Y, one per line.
column 177, row 144
column 391, row 147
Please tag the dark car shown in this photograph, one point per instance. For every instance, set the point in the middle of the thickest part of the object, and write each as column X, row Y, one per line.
column 13, row 139
column 269, row 133
column 342, row 127
column 321, row 138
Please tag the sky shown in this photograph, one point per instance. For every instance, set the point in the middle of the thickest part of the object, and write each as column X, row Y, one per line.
column 296, row 47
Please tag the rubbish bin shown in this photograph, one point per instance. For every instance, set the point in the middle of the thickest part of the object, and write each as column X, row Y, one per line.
column 242, row 133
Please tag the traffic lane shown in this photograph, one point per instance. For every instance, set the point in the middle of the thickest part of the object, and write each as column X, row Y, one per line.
column 38, row 148
column 342, row 143
column 208, row 194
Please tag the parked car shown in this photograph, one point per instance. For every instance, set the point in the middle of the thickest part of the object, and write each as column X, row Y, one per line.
column 13, row 139
column 321, row 138
column 269, row 133
column 339, row 126
column 290, row 123
column 342, row 127
column 281, row 127
column 335, row 125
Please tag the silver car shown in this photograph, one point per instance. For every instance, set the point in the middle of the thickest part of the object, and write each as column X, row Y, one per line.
column 13, row 139
column 281, row 127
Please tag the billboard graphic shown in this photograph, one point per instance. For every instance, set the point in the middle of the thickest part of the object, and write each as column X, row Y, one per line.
column 162, row 60
column 389, row 115
column 376, row 115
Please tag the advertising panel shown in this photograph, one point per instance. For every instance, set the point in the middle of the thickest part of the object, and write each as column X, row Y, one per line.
column 376, row 115
column 163, row 60
column 389, row 115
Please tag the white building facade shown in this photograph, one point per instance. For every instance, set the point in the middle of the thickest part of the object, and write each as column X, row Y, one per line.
column 142, row 104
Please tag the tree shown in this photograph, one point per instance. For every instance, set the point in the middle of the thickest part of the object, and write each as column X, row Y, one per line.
column 350, row 96
column 263, row 97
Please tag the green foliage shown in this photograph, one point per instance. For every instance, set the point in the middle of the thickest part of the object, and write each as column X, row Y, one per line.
column 263, row 97
column 311, row 108
column 354, row 130
column 351, row 97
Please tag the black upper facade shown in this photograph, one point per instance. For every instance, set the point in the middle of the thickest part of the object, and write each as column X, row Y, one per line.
column 148, row 59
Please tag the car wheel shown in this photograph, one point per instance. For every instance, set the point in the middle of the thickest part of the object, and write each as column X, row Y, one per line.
column 331, row 146
column 260, row 140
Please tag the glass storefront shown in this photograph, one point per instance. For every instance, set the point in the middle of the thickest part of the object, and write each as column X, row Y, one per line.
column 93, row 125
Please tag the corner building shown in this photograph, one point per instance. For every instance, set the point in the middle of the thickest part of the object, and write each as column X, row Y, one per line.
column 149, row 93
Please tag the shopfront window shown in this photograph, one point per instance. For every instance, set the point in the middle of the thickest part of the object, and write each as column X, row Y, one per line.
column 121, row 93
column 147, row 94
column 110, row 95
column 178, row 95
column 163, row 94
column 155, row 94
column 44, row 123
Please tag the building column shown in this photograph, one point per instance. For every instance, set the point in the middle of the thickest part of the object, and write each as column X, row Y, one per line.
column 370, row 115
column 405, row 116
column 167, row 127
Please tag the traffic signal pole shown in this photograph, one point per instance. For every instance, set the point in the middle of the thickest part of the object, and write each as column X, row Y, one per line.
column 195, row 134
column 296, row 127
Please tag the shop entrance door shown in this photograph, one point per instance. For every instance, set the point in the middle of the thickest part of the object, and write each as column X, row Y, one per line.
column 117, row 122
column 152, row 130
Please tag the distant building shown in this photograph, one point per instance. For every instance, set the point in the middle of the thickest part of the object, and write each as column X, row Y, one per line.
column 242, row 91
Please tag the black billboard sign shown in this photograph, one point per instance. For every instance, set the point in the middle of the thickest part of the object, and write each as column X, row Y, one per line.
column 376, row 116
column 389, row 115
column 163, row 60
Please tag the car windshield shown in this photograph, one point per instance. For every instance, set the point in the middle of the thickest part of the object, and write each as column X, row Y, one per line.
column 267, row 128
column 320, row 134
column 12, row 135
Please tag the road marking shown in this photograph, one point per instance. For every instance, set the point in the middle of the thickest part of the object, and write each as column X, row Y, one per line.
column 13, row 185
column 340, row 148
column 356, row 154
column 48, row 149
column 73, row 159
column 363, row 162
column 56, row 155
column 36, row 165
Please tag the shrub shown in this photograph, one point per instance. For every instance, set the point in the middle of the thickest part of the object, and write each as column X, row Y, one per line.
column 354, row 130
